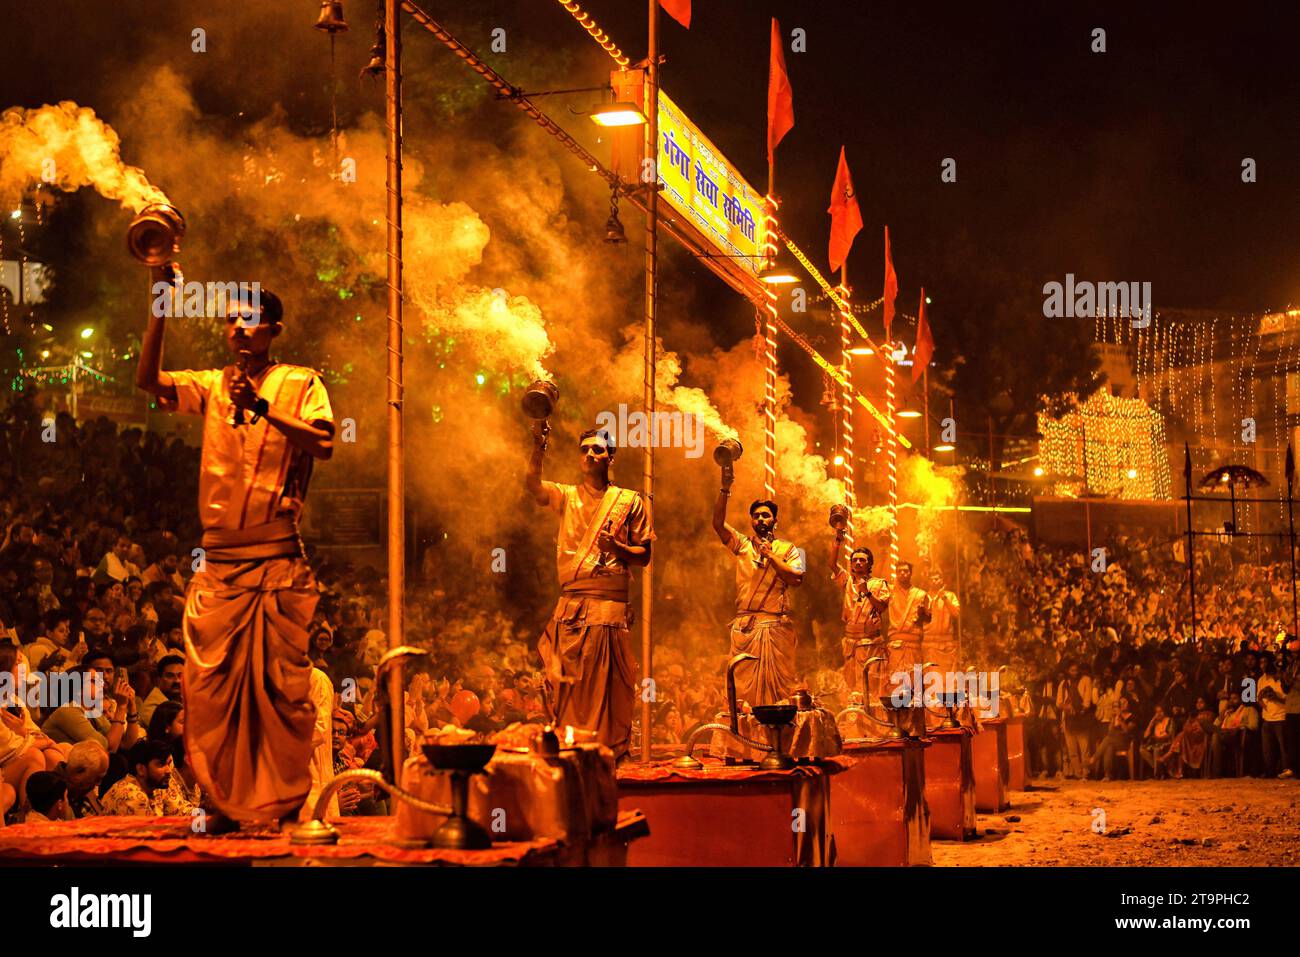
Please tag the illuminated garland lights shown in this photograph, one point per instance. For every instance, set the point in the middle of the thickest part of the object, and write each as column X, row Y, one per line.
column 1107, row 445
column 588, row 23
column 769, row 354
column 3, row 298
column 846, row 413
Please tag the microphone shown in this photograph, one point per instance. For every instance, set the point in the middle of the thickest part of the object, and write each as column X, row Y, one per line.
column 244, row 356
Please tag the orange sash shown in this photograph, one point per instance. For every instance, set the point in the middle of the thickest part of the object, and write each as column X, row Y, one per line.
column 613, row 512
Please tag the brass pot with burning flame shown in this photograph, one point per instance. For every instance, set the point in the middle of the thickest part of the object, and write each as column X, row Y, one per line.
column 155, row 234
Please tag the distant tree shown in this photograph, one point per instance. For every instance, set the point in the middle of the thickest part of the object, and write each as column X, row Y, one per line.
column 1009, row 361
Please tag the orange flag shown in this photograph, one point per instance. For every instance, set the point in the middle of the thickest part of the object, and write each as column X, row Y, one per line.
column 846, row 218
column 924, row 342
column 891, row 285
column 780, row 97
column 679, row 10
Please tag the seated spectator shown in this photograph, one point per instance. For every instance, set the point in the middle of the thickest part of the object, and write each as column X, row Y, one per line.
column 109, row 720
column 149, row 768
column 24, row 748
column 55, row 649
column 1119, row 737
column 1157, row 738
column 94, row 627
column 47, row 798
column 357, row 798
column 115, row 566
column 170, row 673
column 85, row 768
column 166, row 570
column 168, row 722
column 182, row 794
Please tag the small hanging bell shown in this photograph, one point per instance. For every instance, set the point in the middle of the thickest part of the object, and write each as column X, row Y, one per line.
column 331, row 17
column 377, row 65
column 614, row 229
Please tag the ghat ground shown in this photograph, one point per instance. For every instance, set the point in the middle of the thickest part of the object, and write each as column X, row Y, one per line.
column 1224, row 822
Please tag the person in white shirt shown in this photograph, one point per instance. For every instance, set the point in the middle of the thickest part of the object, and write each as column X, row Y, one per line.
column 116, row 564
column 1075, row 700
column 1270, row 691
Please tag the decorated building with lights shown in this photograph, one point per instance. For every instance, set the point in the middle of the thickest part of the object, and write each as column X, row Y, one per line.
column 1106, row 445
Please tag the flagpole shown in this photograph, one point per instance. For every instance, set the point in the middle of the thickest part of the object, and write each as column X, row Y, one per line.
column 925, row 390
column 651, row 275
column 846, row 442
column 396, row 452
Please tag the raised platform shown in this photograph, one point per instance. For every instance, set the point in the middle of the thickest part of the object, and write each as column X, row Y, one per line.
column 879, row 816
column 1017, row 748
column 731, row 816
column 992, row 770
column 364, row 842
column 950, row 784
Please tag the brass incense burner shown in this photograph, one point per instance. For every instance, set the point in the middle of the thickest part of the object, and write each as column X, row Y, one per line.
column 775, row 718
column 155, row 233
column 459, row 832
column 539, row 401
column 727, row 452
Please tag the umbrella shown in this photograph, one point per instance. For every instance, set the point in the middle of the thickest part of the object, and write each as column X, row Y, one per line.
column 1233, row 475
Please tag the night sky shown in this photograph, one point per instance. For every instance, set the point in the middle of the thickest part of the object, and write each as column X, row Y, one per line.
column 1115, row 166
column 1121, row 166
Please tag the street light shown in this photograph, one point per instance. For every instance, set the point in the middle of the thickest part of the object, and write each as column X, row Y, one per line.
column 618, row 114
column 778, row 274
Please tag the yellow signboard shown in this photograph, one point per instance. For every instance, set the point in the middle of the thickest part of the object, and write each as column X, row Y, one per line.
column 702, row 186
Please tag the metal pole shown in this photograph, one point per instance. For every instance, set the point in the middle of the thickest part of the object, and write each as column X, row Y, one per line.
column 651, row 264
column 396, row 477
column 1290, row 521
column 1191, row 559
column 956, row 548
column 925, row 391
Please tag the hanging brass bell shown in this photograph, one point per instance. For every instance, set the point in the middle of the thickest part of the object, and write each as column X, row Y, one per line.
column 331, row 17
column 377, row 65
column 614, row 229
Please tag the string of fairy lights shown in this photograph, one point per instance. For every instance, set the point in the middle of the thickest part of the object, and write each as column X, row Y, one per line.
column 1203, row 373
column 769, row 353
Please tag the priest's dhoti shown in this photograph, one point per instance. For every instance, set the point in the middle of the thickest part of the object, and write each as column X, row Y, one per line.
column 248, row 717
column 587, row 653
column 770, row 638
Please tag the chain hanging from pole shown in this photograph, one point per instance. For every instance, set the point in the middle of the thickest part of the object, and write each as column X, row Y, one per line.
column 332, row 22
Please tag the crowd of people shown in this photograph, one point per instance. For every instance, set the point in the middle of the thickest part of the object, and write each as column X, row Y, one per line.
column 99, row 529
column 1107, row 673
